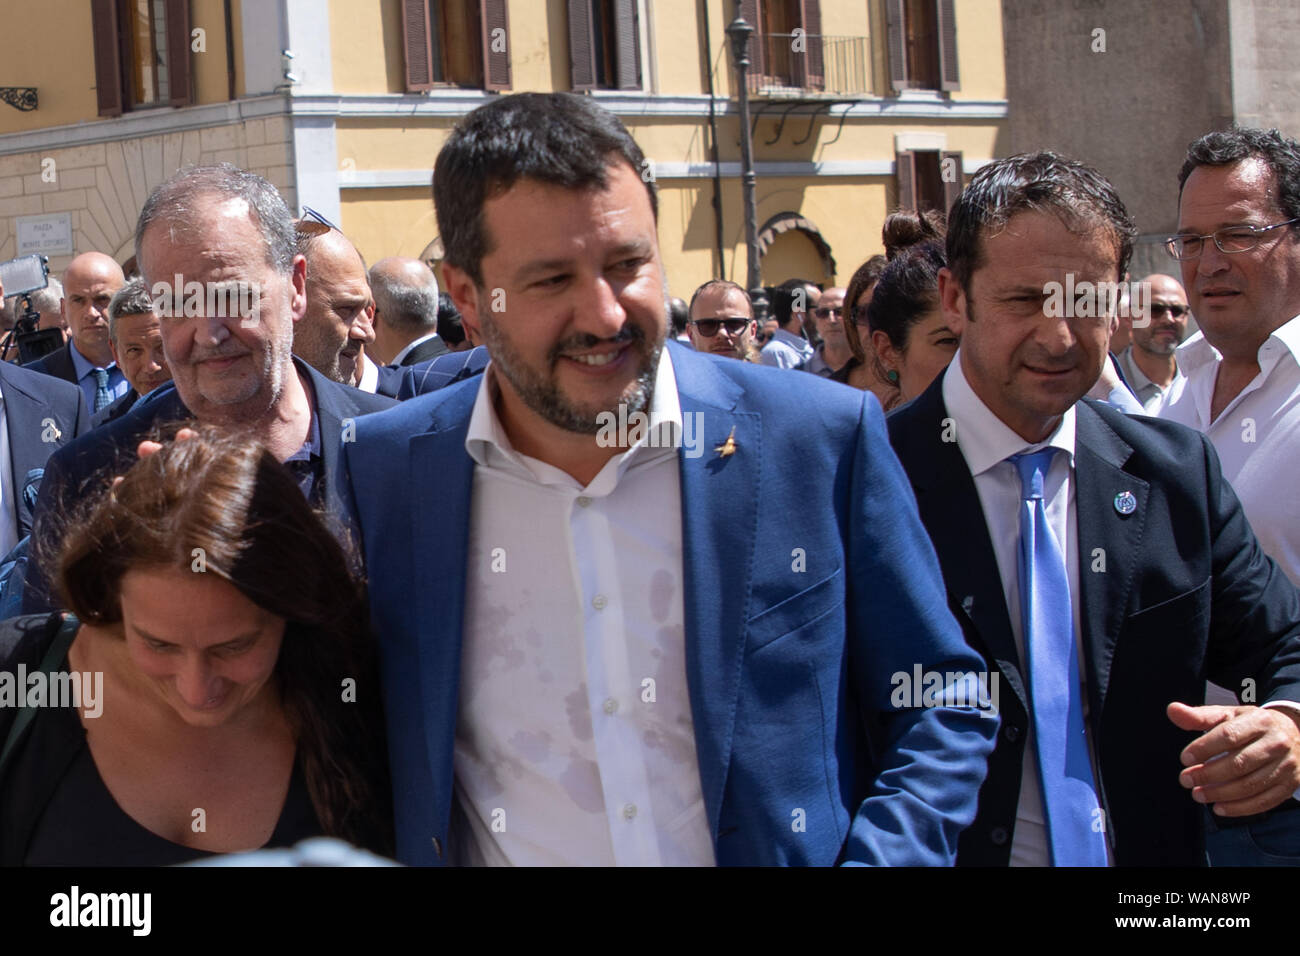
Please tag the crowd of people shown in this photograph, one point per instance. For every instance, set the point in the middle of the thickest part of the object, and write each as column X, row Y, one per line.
column 934, row 568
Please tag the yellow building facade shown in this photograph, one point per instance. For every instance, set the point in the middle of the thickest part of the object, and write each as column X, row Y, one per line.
column 857, row 106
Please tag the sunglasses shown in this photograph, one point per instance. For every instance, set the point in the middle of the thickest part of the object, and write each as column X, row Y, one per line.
column 1175, row 311
column 825, row 312
column 709, row 327
column 313, row 223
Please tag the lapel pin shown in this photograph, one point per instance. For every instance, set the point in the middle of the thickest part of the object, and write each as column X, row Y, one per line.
column 1125, row 503
column 728, row 447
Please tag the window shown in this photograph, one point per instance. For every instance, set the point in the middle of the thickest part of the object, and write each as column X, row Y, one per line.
column 922, row 44
column 775, row 57
column 604, row 44
column 433, row 37
column 142, row 54
column 928, row 179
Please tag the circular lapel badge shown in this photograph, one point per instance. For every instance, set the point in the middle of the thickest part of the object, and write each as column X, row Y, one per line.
column 1126, row 503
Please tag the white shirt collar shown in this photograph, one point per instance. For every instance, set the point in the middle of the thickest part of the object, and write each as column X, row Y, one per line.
column 369, row 375
column 984, row 439
column 1197, row 350
column 486, row 441
column 397, row 359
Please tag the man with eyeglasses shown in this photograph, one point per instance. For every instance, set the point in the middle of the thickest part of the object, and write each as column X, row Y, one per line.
column 833, row 353
column 721, row 320
column 1149, row 363
column 1239, row 249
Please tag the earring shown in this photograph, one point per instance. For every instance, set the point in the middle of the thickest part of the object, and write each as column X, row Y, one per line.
column 892, row 375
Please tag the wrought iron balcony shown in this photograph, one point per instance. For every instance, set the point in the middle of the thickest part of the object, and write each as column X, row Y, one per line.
column 797, row 64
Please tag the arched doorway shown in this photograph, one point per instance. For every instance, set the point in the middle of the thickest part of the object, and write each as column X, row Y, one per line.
column 792, row 247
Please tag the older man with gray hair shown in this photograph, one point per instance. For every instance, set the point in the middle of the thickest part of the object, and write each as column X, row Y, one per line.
column 228, row 233
column 406, row 312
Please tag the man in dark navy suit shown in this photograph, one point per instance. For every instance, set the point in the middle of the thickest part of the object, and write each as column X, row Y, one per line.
column 86, row 360
column 227, row 233
column 406, row 312
column 1099, row 561
column 135, row 336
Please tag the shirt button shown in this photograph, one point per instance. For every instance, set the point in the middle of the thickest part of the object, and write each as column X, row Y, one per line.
column 599, row 602
column 611, row 705
column 583, row 501
column 629, row 810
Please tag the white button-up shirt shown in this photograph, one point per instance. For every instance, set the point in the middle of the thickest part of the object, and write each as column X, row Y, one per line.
column 1257, row 435
column 986, row 443
column 574, row 740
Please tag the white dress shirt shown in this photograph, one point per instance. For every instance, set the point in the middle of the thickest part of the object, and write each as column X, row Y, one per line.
column 1257, row 435
column 986, row 443
column 369, row 375
column 574, row 740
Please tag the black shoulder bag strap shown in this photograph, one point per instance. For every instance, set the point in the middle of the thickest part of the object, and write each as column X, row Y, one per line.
column 50, row 664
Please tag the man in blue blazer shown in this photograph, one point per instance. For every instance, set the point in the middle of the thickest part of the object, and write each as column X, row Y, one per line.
column 1167, row 584
column 219, row 228
column 614, row 643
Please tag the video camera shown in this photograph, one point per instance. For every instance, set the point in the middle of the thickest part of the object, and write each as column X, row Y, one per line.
column 20, row 278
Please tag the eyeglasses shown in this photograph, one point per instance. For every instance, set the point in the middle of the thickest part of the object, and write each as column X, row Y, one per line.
column 826, row 311
column 313, row 223
column 1175, row 311
column 709, row 327
column 1229, row 239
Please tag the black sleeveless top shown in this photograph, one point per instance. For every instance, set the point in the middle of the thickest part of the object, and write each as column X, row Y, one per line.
column 55, row 809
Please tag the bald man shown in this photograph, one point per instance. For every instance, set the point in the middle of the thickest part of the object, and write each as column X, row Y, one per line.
column 406, row 312
column 87, row 360
column 337, row 324
column 1148, row 363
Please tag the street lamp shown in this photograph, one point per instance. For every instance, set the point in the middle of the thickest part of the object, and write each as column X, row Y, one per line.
column 739, row 33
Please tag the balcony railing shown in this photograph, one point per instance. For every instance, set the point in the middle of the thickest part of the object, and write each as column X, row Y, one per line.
column 801, row 63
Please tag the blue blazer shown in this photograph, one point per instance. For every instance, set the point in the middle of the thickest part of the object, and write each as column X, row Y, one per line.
column 789, row 670
column 447, row 369
column 111, row 449
column 1173, row 593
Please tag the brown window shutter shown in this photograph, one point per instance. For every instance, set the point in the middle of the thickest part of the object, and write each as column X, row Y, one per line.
column 951, row 190
column 108, row 57
column 757, row 43
column 905, row 166
column 947, row 21
column 416, row 37
column 177, row 13
column 815, row 68
column 496, row 44
column 627, row 45
column 895, row 17
column 582, row 45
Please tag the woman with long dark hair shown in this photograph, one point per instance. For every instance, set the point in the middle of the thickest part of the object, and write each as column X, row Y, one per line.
column 238, row 699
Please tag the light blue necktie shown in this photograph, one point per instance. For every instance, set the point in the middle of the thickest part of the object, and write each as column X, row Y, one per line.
column 1070, row 802
column 103, row 397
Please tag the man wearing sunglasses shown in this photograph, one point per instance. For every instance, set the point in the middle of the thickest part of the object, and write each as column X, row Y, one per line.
column 1239, row 250
column 722, row 320
column 1149, row 363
